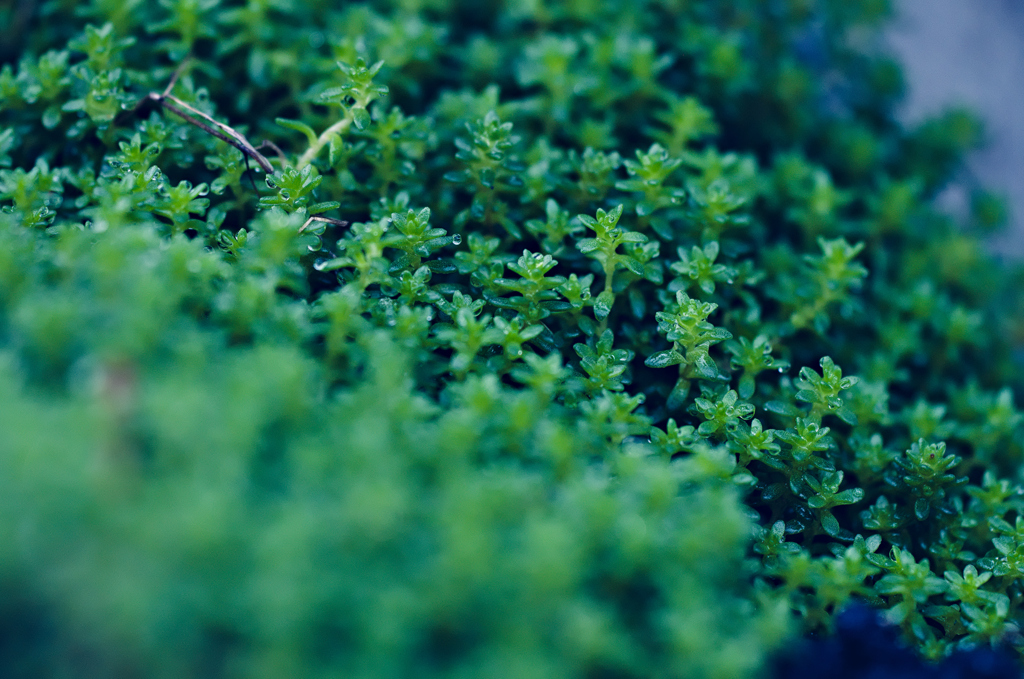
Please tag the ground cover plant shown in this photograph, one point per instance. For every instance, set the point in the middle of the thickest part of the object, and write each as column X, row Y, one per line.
column 436, row 338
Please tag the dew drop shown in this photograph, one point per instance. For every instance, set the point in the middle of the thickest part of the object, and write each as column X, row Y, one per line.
column 320, row 264
column 457, row 239
column 782, row 370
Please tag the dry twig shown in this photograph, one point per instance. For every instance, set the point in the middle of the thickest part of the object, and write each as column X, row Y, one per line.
column 216, row 128
column 318, row 218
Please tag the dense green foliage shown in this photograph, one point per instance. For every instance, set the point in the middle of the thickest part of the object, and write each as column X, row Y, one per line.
column 601, row 338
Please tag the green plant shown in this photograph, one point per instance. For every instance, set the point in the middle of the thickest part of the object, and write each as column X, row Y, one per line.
column 447, row 384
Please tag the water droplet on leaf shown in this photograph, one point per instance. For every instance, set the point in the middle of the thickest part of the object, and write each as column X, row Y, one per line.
column 320, row 264
column 457, row 239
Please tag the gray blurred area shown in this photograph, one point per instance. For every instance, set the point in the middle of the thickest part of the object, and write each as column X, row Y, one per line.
column 971, row 52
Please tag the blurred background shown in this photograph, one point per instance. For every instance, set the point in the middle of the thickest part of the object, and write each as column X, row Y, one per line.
column 971, row 53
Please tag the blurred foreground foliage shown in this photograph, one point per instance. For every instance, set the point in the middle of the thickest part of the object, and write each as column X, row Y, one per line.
column 437, row 338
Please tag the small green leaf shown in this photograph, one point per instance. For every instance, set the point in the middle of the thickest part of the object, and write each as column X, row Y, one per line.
column 705, row 366
column 7, row 140
column 603, row 304
column 829, row 523
column 633, row 265
column 457, row 177
column 847, row 416
column 848, row 497
column 677, row 397
column 336, row 151
column 746, row 386
column 360, row 117
column 664, row 359
column 51, row 117
column 782, row 408
column 441, row 266
column 326, row 206
column 587, row 326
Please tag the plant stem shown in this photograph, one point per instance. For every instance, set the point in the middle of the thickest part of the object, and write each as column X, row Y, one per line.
column 609, row 273
column 312, row 152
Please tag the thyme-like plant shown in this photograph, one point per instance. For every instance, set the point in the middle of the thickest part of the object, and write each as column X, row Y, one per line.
column 421, row 338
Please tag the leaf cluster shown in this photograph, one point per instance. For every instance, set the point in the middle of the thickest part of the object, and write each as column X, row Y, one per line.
column 490, row 371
